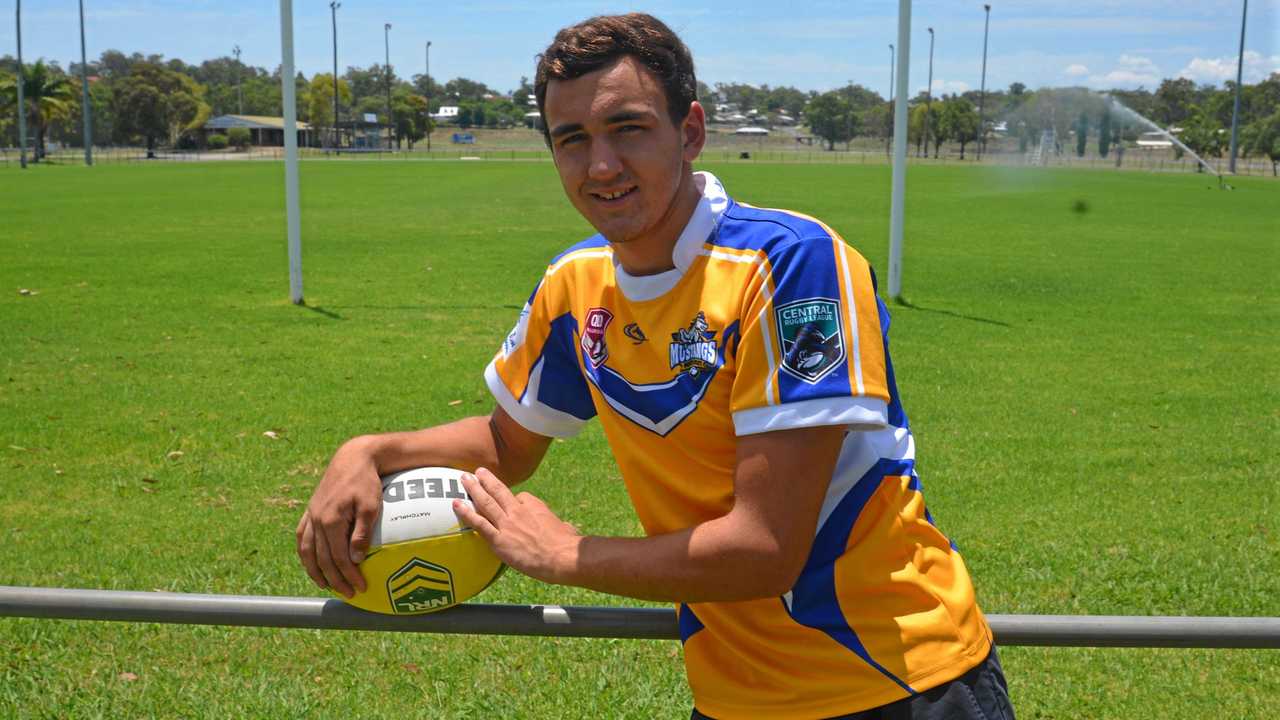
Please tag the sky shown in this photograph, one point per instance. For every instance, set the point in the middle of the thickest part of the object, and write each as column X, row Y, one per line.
column 822, row 45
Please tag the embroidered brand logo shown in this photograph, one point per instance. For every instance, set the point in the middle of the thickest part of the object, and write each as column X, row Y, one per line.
column 811, row 337
column 693, row 349
column 597, row 321
column 634, row 332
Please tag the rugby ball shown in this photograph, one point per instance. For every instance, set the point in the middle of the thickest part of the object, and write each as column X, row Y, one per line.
column 421, row 557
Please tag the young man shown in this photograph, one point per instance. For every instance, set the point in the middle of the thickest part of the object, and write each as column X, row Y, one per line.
column 737, row 359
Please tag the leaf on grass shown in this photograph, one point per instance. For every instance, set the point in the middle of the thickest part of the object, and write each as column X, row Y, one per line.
column 412, row 668
column 453, row 403
column 128, row 676
column 19, row 448
column 150, row 480
column 25, row 291
column 271, row 434
column 175, row 454
column 146, row 489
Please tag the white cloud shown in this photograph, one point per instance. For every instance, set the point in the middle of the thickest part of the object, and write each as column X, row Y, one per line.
column 948, row 87
column 1076, row 70
column 1138, row 64
column 1215, row 70
column 1130, row 71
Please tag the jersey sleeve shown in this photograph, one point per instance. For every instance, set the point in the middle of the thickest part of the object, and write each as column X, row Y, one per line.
column 812, row 352
column 535, row 377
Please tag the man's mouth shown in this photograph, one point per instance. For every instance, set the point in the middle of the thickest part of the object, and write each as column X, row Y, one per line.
column 614, row 195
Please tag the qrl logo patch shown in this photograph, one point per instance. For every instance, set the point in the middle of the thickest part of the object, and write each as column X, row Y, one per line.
column 420, row 586
column 597, row 321
column 811, row 337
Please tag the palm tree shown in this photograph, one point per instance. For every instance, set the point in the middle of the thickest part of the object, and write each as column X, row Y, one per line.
column 49, row 97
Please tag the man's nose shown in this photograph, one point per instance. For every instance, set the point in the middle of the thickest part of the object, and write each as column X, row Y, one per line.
column 605, row 163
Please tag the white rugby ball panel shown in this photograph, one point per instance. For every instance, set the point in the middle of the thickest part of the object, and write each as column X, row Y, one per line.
column 418, row 504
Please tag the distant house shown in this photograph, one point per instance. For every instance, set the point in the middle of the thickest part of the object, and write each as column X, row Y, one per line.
column 268, row 131
column 533, row 119
column 447, row 113
column 1156, row 140
column 749, row 130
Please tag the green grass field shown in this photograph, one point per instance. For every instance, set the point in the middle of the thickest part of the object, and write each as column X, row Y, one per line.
column 1094, row 394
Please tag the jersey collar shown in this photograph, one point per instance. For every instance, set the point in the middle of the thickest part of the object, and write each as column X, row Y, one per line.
column 688, row 247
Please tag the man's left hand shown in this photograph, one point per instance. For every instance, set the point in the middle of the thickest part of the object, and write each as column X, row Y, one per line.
column 523, row 532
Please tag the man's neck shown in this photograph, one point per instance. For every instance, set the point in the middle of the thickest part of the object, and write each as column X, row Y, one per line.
column 653, row 253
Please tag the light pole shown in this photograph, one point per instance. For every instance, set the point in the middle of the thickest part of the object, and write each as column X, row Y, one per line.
column 891, row 60
column 85, row 109
column 982, row 96
column 386, row 71
column 928, row 98
column 239, row 90
column 22, row 105
column 333, row 11
column 427, row 84
column 1235, row 112
column 888, row 140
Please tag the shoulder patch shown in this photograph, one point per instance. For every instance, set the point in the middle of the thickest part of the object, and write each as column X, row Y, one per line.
column 810, row 337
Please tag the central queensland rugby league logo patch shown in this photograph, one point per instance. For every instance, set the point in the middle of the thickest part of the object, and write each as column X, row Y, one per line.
column 811, row 337
column 597, row 321
column 420, row 586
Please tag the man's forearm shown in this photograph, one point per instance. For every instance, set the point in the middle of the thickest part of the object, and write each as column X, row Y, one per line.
column 465, row 444
column 719, row 560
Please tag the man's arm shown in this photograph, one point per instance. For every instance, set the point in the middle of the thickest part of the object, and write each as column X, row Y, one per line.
column 756, row 550
column 334, row 532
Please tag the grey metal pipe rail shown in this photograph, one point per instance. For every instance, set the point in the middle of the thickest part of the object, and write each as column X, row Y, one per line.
column 598, row 622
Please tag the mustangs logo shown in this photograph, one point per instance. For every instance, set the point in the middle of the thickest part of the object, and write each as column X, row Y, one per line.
column 811, row 336
column 693, row 349
column 597, row 321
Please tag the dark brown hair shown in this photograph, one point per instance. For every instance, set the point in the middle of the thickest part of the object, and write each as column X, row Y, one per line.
column 600, row 41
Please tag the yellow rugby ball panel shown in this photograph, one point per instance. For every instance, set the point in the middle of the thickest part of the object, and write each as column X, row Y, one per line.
column 421, row 576
column 421, row 557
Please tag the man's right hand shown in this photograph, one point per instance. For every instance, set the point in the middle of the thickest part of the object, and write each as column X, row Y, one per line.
column 334, row 532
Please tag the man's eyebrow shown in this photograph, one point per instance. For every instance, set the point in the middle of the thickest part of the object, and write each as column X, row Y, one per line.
column 565, row 129
column 627, row 115
column 614, row 119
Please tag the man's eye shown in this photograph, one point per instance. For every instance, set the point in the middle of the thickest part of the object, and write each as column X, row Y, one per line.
column 630, row 128
column 570, row 140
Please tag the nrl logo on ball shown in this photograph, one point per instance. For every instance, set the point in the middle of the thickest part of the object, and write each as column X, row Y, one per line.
column 811, row 336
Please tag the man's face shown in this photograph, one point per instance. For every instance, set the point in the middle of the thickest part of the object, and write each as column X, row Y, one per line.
column 620, row 157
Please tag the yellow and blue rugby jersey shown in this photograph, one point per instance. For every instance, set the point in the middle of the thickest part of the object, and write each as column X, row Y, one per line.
column 768, row 321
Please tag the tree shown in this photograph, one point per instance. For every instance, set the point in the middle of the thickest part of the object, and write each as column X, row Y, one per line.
column 1082, row 134
column 1262, row 138
column 464, row 89
column 154, row 102
column 1104, row 133
column 1203, row 134
column 410, row 116
column 520, row 96
column 1174, row 100
column 49, row 96
column 831, row 118
column 320, row 100
column 915, row 124
column 958, row 121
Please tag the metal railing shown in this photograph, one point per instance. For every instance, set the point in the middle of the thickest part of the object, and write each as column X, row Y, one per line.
column 595, row 622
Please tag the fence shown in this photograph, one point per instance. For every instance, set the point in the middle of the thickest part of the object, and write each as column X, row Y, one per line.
column 724, row 151
column 598, row 622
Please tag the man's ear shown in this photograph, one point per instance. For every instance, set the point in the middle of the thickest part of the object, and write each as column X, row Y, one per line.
column 694, row 131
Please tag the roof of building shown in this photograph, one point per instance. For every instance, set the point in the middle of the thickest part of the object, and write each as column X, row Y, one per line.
column 253, row 122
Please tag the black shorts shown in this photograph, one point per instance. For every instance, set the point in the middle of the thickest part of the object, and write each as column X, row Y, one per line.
column 980, row 694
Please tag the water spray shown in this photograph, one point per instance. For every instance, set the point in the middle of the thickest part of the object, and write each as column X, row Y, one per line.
column 1122, row 109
